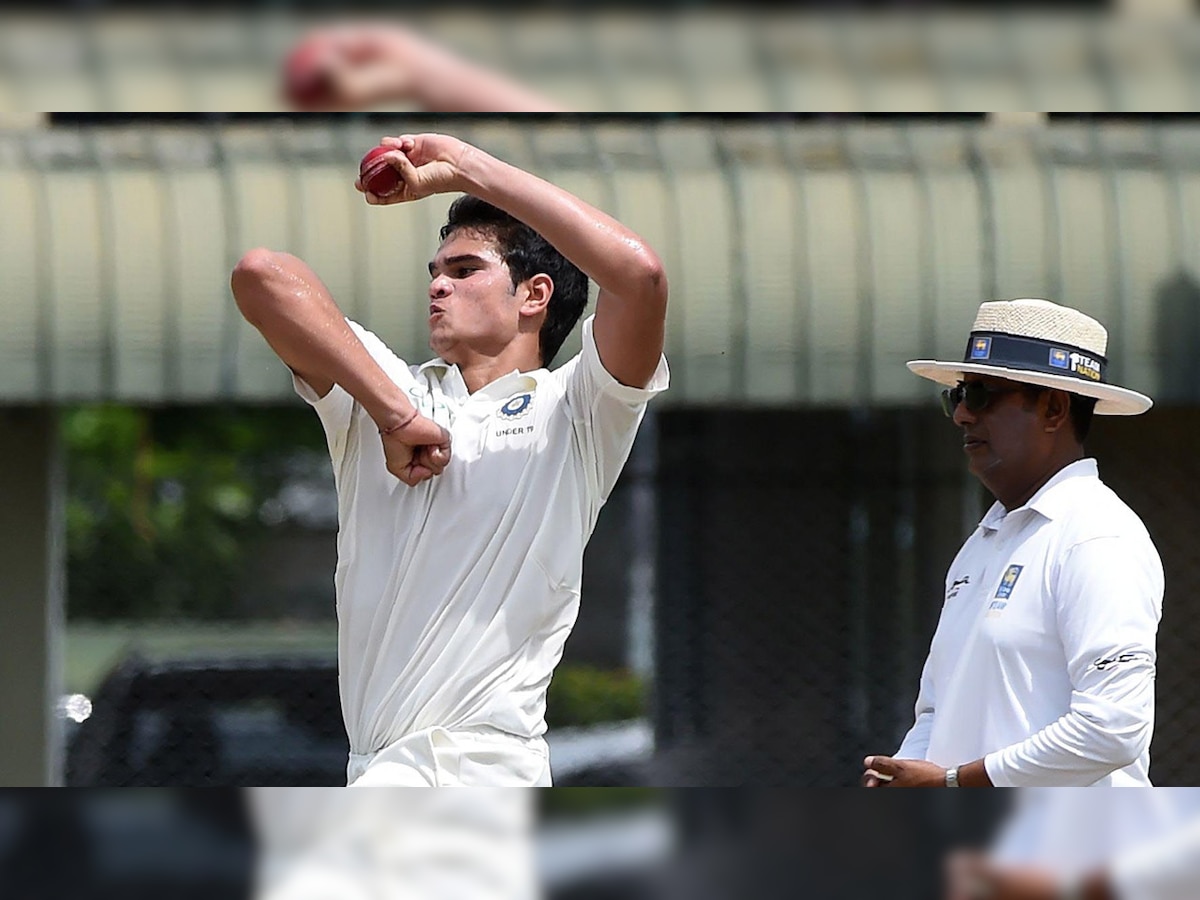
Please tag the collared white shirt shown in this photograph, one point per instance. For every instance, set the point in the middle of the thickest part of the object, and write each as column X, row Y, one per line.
column 316, row 844
column 455, row 597
column 1043, row 661
column 1149, row 841
column 1162, row 867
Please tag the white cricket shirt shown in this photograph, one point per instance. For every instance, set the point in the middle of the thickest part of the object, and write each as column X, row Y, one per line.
column 1074, row 831
column 1166, row 867
column 317, row 844
column 455, row 597
column 1043, row 661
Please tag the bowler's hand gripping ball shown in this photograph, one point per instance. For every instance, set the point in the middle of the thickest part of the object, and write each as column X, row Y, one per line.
column 305, row 81
column 377, row 175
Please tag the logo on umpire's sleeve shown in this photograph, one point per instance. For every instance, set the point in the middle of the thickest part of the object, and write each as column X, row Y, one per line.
column 1108, row 662
column 1008, row 582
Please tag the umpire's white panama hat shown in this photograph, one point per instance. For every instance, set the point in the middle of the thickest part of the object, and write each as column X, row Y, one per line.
column 1042, row 343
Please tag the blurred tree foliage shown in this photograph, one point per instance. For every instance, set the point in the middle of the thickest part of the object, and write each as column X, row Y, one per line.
column 577, row 802
column 164, row 504
column 586, row 695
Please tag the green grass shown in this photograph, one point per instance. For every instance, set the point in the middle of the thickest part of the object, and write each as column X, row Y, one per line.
column 93, row 649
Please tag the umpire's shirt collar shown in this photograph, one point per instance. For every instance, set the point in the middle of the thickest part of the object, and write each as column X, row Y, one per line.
column 1053, row 499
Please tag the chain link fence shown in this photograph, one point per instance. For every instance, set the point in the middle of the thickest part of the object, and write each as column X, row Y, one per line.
column 798, row 562
column 803, row 557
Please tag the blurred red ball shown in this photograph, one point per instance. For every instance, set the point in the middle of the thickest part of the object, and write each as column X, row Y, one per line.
column 305, row 82
column 378, row 175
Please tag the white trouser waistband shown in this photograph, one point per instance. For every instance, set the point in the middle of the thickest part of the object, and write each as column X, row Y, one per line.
column 462, row 756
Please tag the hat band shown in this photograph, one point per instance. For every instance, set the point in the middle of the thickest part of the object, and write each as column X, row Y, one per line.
column 1035, row 355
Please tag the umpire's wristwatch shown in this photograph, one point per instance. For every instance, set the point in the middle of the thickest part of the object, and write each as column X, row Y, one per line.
column 952, row 777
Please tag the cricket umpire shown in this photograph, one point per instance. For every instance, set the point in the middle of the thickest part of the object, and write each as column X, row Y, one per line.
column 1041, row 671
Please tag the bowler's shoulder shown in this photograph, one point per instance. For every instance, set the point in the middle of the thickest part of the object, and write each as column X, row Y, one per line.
column 564, row 372
column 391, row 362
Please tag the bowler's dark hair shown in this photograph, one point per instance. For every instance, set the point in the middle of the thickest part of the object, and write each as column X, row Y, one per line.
column 527, row 253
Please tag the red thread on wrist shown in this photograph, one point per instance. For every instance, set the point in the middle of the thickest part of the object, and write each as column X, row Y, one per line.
column 384, row 432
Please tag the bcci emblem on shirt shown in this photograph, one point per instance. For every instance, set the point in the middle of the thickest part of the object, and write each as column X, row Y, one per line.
column 516, row 407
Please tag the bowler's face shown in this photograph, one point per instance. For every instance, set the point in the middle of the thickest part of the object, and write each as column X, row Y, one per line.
column 472, row 304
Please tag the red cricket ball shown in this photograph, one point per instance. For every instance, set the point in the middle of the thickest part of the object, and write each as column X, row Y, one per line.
column 378, row 175
column 305, row 83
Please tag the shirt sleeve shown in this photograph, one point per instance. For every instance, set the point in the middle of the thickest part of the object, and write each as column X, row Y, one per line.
column 336, row 409
column 916, row 743
column 1108, row 605
column 1165, row 869
column 606, row 413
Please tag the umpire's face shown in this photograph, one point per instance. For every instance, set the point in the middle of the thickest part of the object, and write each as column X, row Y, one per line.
column 1005, row 438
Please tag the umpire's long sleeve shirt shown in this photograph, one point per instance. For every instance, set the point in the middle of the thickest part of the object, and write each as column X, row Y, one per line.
column 1043, row 662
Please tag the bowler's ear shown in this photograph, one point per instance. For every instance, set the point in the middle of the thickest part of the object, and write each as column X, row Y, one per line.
column 1058, row 409
column 540, row 287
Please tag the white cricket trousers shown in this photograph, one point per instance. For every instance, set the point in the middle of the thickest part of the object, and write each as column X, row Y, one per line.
column 411, row 844
column 438, row 757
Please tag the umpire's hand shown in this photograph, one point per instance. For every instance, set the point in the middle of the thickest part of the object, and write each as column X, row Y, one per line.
column 883, row 771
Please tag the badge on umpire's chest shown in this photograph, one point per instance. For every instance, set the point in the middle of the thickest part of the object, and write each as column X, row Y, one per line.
column 1008, row 582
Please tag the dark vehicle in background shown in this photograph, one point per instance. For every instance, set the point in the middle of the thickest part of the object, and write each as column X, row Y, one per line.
column 269, row 721
column 208, row 722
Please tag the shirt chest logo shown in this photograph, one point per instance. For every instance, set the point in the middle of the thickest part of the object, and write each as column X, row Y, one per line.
column 1007, row 583
column 512, row 410
column 515, row 407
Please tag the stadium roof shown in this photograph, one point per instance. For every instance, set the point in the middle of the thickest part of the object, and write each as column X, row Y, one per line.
column 695, row 59
column 807, row 262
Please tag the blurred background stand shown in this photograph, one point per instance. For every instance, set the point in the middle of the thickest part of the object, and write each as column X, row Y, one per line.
column 32, row 554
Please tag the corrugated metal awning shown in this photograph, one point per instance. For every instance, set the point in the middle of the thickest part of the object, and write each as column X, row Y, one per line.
column 692, row 58
column 807, row 262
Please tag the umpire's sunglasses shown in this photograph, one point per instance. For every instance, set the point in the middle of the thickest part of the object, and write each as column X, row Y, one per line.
column 975, row 395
